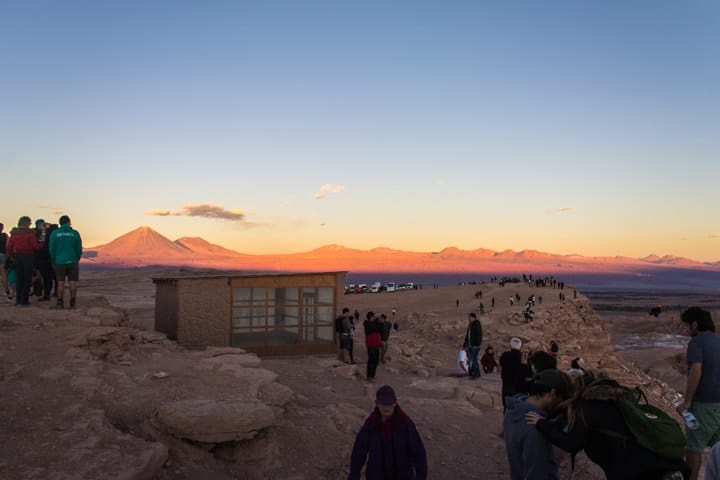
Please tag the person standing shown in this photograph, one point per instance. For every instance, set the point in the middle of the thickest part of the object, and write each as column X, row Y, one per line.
column 65, row 253
column 473, row 339
column 342, row 335
column 511, row 370
column 21, row 248
column 42, row 259
column 3, row 258
column 702, row 391
column 387, row 328
column 373, row 342
column 389, row 442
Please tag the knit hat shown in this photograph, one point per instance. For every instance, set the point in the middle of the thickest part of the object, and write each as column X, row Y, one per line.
column 385, row 395
column 39, row 222
column 515, row 343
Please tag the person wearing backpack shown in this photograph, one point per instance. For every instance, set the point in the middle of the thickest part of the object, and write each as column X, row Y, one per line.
column 342, row 335
column 702, row 391
column 596, row 424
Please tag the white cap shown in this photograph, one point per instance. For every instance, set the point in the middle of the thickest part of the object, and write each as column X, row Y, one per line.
column 515, row 343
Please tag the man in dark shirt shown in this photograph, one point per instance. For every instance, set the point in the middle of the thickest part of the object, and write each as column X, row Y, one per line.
column 511, row 369
column 702, row 391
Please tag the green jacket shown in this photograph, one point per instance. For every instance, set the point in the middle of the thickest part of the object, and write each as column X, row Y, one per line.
column 65, row 246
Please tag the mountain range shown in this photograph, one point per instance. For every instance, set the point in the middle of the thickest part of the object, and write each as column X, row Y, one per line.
column 146, row 247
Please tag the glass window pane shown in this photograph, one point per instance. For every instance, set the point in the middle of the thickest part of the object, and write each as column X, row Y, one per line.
column 326, row 295
column 284, row 336
column 321, row 315
column 287, row 296
column 319, row 334
column 284, row 316
column 242, row 296
column 248, row 338
column 249, row 317
column 258, row 296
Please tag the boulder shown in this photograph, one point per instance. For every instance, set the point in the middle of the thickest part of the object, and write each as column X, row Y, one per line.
column 275, row 394
column 249, row 360
column 213, row 421
column 106, row 316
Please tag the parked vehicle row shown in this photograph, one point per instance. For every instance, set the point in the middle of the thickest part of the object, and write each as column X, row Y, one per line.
column 378, row 287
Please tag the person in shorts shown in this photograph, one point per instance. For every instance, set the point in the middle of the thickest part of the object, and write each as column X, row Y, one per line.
column 702, row 391
column 65, row 253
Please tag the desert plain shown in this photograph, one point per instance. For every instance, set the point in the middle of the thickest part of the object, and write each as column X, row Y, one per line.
column 95, row 393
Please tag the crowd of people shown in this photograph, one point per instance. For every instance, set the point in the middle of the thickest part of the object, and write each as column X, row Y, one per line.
column 377, row 330
column 38, row 261
column 551, row 414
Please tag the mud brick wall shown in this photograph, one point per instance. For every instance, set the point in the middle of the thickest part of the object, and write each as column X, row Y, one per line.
column 204, row 312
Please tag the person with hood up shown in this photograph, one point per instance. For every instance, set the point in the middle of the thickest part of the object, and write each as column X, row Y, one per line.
column 390, row 443
column 530, row 454
column 21, row 248
column 511, row 370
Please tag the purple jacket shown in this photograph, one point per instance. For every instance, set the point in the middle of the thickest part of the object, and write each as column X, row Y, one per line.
column 393, row 449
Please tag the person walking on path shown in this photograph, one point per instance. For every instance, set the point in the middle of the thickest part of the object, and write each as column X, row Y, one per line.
column 702, row 391
column 21, row 248
column 65, row 253
column 389, row 442
column 373, row 342
column 473, row 339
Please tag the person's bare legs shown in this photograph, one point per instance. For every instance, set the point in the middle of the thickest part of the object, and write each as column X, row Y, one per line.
column 60, row 291
column 73, row 291
column 694, row 459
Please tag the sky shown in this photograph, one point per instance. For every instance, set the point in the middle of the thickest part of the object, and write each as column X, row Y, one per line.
column 571, row 127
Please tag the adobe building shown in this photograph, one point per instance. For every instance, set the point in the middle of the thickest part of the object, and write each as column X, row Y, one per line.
column 268, row 314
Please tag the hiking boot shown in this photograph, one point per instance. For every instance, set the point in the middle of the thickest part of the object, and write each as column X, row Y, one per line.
column 60, row 304
column 72, row 302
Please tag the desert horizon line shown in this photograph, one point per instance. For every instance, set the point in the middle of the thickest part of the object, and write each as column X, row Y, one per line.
column 652, row 257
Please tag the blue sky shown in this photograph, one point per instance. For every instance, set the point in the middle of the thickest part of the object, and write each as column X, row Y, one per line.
column 569, row 127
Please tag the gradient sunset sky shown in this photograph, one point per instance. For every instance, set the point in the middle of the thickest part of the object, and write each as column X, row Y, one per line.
column 281, row 126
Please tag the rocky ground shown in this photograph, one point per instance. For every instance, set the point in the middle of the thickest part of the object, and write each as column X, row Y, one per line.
column 95, row 393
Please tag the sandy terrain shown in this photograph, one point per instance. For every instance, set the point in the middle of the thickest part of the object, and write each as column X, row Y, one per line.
column 80, row 390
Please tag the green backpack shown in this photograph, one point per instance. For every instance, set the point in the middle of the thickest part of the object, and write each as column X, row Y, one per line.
column 651, row 427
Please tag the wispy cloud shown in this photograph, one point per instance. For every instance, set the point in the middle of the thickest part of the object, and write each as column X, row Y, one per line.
column 327, row 189
column 204, row 210
column 440, row 183
column 561, row 210
column 715, row 235
column 159, row 213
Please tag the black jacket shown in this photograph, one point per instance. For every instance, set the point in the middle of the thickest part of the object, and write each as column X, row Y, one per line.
column 474, row 334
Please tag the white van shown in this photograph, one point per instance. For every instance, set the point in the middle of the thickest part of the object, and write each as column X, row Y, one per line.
column 375, row 287
column 390, row 286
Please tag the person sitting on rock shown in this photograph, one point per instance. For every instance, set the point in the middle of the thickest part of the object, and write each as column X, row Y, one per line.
column 462, row 362
column 488, row 360
column 389, row 442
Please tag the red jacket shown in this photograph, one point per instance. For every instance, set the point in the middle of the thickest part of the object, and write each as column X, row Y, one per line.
column 22, row 240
